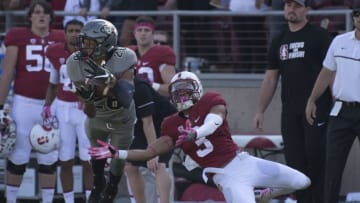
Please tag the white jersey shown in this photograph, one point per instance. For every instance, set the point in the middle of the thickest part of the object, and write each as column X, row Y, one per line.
column 121, row 59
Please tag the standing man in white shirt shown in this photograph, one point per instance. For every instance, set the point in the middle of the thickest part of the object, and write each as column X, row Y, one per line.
column 340, row 69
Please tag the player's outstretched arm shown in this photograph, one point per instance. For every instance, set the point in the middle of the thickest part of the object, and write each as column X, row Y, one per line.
column 104, row 150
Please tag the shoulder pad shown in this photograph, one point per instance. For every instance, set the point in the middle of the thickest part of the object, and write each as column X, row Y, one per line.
column 75, row 67
column 121, row 60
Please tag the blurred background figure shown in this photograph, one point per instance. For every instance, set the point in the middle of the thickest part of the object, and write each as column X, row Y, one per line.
column 250, row 35
column 156, row 63
column 82, row 7
column 161, row 37
column 13, row 5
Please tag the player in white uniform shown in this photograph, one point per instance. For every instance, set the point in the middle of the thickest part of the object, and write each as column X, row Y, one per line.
column 103, row 75
column 26, row 64
column 68, row 110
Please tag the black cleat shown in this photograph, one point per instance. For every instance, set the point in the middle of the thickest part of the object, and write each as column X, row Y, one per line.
column 109, row 194
column 95, row 194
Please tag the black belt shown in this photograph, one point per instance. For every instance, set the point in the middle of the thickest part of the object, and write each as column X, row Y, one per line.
column 350, row 104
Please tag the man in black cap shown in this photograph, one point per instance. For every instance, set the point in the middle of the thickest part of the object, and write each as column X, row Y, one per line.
column 341, row 70
column 296, row 56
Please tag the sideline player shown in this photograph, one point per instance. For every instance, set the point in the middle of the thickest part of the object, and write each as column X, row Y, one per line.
column 156, row 63
column 25, row 62
column 68, row 110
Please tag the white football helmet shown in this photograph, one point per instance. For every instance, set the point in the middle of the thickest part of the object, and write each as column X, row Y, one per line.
column 7, row 136
column 185, row 90
column 45, row 138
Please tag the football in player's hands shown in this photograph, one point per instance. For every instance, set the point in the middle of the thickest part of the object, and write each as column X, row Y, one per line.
column 101, row 89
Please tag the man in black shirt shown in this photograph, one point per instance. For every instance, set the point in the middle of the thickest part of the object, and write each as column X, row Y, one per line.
column 296, row 56
column 151, row 109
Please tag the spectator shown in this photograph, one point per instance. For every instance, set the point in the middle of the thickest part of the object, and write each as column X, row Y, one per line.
column 250, row 35
column 151, row 109
column 82, row 7
column 296, row 55
column 104, row 7
column 15, row 20
column 196, row 31
column 72, row 127
column 25, row 62
column 276, row 23
column 201, row 130
column 103, row 76
column 341, row 71
column 58, row 5
column 156, row 63
column 161, row 38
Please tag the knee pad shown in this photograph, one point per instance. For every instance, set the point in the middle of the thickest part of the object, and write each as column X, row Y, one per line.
column 15, row 169
column 47, row 169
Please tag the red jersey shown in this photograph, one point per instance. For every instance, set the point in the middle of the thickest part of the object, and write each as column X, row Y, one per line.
column 57, row 54
column 32, row 68
column 153, row 61
column 214, row 150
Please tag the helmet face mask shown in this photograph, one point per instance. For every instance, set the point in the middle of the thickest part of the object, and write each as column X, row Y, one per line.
column 185, row 90
column 102, row 35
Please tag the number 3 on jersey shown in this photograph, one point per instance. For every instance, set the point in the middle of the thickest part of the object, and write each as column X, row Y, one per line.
column 209, row 147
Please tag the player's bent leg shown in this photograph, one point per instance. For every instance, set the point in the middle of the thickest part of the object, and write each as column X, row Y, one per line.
column 163, row 182
column 136, row 182
column 281, row 178
column 233, row 190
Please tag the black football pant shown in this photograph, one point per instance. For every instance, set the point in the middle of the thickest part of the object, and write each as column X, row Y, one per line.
column 304, row 150
column 342, row 131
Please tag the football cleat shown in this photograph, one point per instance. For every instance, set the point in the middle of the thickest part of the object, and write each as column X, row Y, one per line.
column 263, row 196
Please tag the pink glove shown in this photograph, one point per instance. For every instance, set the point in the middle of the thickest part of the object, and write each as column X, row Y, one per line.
column 188, row 134
column 46, row 113
column 105, row 151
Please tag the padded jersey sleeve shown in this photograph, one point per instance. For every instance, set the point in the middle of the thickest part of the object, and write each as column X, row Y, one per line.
column 121, row 60
column 75, row 68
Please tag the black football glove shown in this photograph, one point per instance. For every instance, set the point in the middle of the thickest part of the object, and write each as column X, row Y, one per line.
column 87, row 93
column 98, row 75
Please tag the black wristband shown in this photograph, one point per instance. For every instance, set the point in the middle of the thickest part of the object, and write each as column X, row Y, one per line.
column 112, row 151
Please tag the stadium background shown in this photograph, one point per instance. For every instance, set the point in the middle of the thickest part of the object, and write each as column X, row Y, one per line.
column 218, row 65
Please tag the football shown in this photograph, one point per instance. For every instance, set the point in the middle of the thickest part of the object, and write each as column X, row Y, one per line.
column 101, row 89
